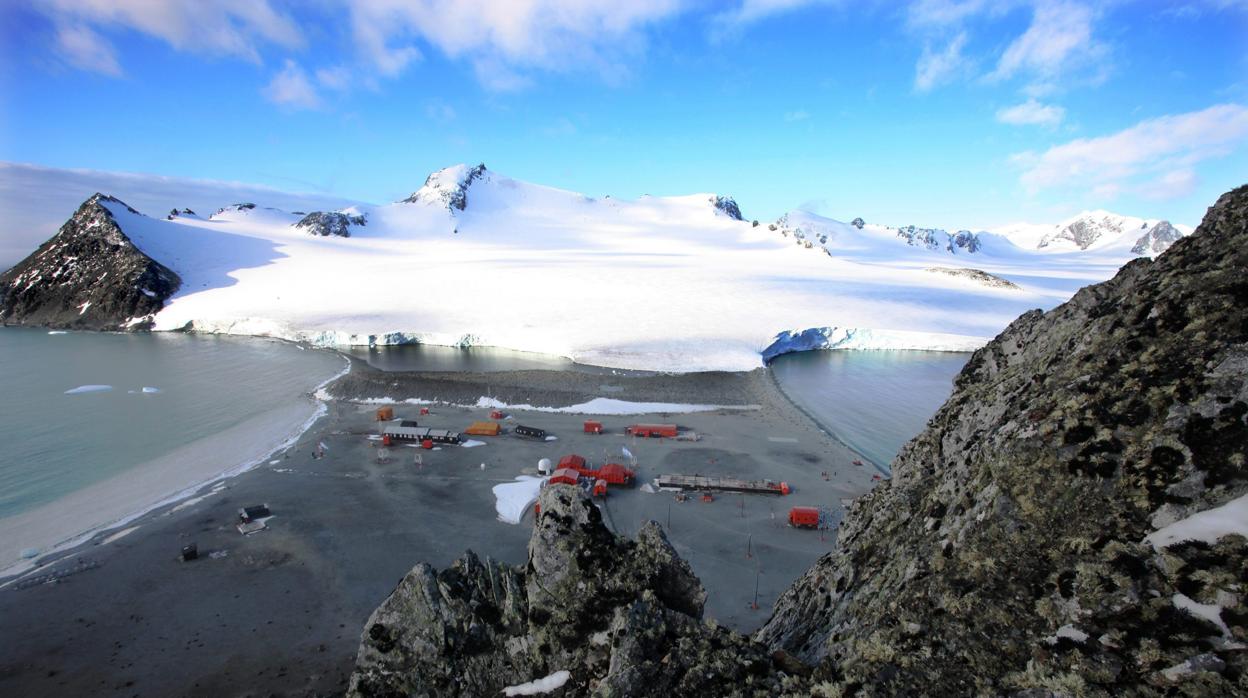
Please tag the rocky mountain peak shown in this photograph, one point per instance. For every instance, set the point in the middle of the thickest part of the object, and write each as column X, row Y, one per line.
column 1017, row 550
column 728, row 206
column 1158, row 239
column 89, row 275
column 336, row 223
column 448, row 187
column 938, row 239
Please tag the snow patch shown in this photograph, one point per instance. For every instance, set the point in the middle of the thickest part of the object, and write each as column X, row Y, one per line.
column 512, row 499
column 472, row 443
column 539, row 686
column 149, row 390
column 1207, row 526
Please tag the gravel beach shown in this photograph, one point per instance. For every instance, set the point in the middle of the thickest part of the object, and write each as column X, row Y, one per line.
column 279, row 612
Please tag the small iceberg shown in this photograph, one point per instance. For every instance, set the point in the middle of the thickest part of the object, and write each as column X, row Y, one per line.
column 149, row 390
column 88, row 389
column 58, row 332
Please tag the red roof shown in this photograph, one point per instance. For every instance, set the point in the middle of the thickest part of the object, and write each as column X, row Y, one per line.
column 565, row 476
column 615, row 473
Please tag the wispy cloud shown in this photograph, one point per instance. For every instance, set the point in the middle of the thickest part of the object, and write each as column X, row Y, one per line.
column 504, row 40
column 223, row 27
column 1032, row 112
column 799, row 115
column 82, row 48
column 335, row 78
column 1155, row 157
column 1059, row 38
column 749, row 11
column 938, row 67
column 291, row 88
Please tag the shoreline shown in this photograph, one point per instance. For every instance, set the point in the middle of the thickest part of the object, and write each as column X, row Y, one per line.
column 62, row 540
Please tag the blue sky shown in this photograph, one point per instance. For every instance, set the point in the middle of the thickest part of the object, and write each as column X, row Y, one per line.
column 956, row 113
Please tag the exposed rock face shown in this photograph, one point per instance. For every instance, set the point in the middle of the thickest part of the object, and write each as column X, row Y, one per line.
column 331, row 223
column 1158, row 239
column 1007, row 556
column 623, row 617
column 858, row 223
column 937, row 239
column 448, row 187
column 88, row 276
column 728, row 206
column 978, row 275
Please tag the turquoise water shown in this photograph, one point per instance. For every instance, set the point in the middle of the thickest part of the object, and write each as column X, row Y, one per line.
column 874, row 401
column 52, row 444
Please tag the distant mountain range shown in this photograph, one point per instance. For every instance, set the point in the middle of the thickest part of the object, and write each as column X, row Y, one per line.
column 474, row 257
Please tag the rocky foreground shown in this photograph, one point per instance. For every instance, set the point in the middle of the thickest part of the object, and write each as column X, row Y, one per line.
column 1015, row 552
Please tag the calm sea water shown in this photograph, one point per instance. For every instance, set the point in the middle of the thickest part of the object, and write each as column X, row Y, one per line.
column 874, row 401
column 52, row 443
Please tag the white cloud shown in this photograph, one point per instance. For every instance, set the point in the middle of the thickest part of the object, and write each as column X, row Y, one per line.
column 754, row 10
column 1155, row 157
column 937, row 68
column 335, row 78
column 291, row 88
column 503, row 39
column 1032, row 112
column 1171, row 185
column 222, row 27
column 941, row 13
column 36, row 200
column 82, row 48
column 1059, row 37
column 799, row 115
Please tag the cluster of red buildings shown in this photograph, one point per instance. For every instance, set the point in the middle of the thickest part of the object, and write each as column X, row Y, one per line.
column 573, row 467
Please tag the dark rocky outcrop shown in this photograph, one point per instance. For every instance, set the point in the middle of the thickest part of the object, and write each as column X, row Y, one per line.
column 858, row 223
column 622, row 617
column 448, row 187
column 978, row 275
column 1007, row 556
column 331, row 223
column 728, row 206
column 938, row 239
column 88, row 276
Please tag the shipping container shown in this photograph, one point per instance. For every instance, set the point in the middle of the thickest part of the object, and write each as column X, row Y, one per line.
column 593, row 426
column 484, row 429
column 496, row 414
column 804, row 517
column 385, row 414
column 565, row 476
column 600, row 488
column 531, row 432
column 648, row 430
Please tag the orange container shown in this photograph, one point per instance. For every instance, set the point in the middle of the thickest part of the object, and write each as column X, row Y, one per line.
column 385, row 414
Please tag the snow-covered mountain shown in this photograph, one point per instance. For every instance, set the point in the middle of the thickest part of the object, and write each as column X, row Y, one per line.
column 667, row 283
column 1097, row 230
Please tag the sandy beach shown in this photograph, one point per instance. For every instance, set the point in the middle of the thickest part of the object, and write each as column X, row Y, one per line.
column 279, row 612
